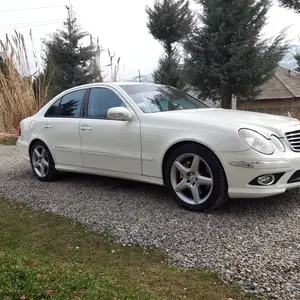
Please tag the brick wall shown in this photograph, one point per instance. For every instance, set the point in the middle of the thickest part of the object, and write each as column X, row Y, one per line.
column 275, row 106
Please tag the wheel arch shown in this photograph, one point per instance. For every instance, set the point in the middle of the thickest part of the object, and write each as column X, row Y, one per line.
column 176, row 145
column 36, row 139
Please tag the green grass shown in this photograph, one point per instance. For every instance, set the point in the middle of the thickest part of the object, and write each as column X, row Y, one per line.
column 44, row 256
column 8, row 142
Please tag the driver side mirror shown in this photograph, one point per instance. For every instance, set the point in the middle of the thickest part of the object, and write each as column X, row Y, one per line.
column 119, row 113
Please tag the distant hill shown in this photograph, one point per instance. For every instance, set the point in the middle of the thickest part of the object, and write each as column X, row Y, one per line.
column 288, row 62
column 144, row 78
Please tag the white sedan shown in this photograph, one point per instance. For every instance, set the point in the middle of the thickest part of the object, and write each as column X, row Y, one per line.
column 161, row 135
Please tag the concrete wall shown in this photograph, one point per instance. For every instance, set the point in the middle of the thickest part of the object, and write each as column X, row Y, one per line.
column 275, row 107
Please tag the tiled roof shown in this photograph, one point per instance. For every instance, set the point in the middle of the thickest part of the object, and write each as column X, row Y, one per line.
column 284, row 85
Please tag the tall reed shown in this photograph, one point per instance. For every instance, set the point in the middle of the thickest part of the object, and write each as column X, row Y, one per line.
column 21, row 94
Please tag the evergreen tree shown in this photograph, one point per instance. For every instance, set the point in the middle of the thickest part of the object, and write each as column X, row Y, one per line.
column 169, row 72
column 169, row 22
column 67, row 62
column 293, row 4
column 225, row 56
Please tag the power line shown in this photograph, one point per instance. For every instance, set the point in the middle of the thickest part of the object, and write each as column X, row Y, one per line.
column 37, row 25
column 30, row 8
column 29, row 23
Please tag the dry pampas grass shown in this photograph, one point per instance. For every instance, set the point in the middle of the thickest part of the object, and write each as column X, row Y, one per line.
column 21, row 94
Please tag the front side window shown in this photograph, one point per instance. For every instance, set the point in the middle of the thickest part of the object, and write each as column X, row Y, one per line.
column 100, row 101
column 67, row 106
column 155, row 98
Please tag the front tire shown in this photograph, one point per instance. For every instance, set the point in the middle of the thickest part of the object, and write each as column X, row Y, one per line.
column 195, row 178
column 42, row 162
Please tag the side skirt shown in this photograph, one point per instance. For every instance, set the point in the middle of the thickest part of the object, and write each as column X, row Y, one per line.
column 114, row 174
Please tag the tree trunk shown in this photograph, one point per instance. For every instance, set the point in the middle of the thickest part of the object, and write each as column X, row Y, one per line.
column 169, row 49
column 226, row 100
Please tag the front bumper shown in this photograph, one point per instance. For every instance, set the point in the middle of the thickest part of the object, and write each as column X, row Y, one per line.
column 242, row 168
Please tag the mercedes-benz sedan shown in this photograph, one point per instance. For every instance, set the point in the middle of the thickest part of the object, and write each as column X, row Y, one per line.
column 161, row 135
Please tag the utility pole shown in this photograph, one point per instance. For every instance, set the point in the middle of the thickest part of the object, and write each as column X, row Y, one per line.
column 140, row 76
column 98, row 53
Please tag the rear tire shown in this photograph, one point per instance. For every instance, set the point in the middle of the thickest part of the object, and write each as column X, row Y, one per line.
column 195, row 178
column 42, row 162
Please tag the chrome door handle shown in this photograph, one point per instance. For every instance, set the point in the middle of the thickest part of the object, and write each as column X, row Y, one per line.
column 47, row 126
column 85, row 128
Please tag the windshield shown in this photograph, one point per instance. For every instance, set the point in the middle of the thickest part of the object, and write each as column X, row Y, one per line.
column 156, row 98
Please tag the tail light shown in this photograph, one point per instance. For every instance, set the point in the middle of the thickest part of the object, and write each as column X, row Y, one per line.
column 19, row 130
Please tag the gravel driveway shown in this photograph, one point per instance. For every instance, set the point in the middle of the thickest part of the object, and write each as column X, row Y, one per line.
column 253, row 242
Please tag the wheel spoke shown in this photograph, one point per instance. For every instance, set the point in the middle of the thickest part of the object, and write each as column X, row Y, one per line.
column 181, row 186
column 37, row 153
column 183, row 170
column 204, row 180
column 36, row 164
column 45, row 163
column 195, row 164
column 196, row 194
column 42, row 168
column 43, row 154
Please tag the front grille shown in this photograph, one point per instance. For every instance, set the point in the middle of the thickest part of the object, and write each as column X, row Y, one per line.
column 293, row 137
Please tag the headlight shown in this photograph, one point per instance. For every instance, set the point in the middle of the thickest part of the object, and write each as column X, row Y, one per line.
column 278, row 143
column 256, row 141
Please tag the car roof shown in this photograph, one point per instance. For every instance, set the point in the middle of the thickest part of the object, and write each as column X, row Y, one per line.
column 113, row 84
column 100, row 84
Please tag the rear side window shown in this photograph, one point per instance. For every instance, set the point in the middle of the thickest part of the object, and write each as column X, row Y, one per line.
column 51, row 112
column 100, row 101
column 67, row 106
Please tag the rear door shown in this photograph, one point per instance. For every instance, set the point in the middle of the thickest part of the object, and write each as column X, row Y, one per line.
column 60, row 128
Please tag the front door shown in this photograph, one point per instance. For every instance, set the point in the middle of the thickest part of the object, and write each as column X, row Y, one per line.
column 110, row 145
column 60, row 128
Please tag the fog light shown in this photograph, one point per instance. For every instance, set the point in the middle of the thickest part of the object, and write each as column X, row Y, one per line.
column 266, row 179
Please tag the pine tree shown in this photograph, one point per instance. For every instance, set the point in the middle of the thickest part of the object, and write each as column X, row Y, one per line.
column 293, row 4
column 225, row 56
column 169, row 72
column 67, row 62
column 169, row 22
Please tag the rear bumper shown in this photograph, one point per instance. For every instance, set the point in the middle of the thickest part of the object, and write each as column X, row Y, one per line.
column 242, row 168
column 22, row 148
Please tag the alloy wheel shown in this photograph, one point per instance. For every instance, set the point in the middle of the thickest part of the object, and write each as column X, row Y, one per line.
column 40, row 161
column 191, row 179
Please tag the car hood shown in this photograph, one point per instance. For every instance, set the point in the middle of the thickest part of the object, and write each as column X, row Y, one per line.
column 264, row 123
